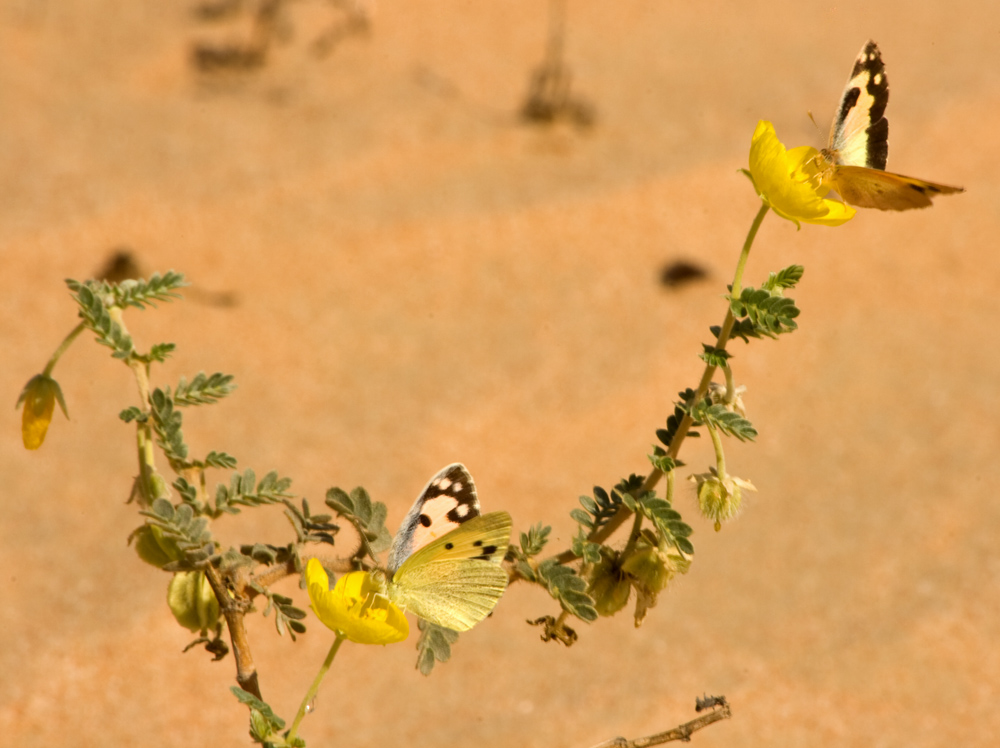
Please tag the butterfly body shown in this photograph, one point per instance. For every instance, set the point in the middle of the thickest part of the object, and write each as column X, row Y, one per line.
column 859, row 145
column 444, row 564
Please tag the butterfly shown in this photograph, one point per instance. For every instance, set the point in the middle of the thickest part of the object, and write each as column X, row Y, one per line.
column 859, row 145
column 444, row 564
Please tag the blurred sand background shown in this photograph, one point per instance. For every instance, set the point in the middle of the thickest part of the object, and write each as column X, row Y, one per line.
column 422, row 278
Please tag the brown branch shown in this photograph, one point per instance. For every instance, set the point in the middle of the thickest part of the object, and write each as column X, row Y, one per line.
column 681, row 732
column 234, row 608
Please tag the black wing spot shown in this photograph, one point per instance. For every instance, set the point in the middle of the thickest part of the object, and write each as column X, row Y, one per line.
column 478, row 543
column 850, row 101
column 424, row 520
column 449, row 546
column 460, row 514
column 488, row 552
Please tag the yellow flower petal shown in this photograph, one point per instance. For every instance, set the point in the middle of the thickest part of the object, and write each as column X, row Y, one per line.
column 790, row 181
column 39, row 397
column 356, row 607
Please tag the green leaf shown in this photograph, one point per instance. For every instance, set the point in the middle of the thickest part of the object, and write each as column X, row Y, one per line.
column 139, row 293
column 96, row 316
column 310, row 528
column 771, row 313
column 132, row 413
column 189, row 531
column 160, row 352
column 203, row 389
column 434, row 645
column 220, row 460
column 568, row 588
column 534, row 540
column 597, row 510
column 666, row 436
column 728, row 422
column 167, row 426
column 662, row 461
column 785, row 278
column 366, row 515
column 713, row 356
column 271, row 722
column 667, row 520
column 243, row 491
column 589, row 552
column 742, row 328
column 286, row 616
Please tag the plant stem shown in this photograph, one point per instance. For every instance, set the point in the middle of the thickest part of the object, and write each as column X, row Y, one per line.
column 720, row 457
column 62, row 349
column 706, row 379
column 314, row 688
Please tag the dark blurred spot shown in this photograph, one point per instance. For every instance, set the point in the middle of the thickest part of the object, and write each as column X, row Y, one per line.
column 120, row 266
column 680, row 273
column 123, row 264
column 550, row 99
column 216, row 10
column 232, row 57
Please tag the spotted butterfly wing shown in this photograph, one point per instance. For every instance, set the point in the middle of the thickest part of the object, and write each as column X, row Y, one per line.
column 859, row 145
column 456, row 580
column 445, row 559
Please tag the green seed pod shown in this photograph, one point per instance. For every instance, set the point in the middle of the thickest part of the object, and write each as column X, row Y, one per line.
column 192, row 601
column 609, row 585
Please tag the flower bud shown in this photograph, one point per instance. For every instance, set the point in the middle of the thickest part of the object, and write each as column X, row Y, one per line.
column 610, row 586
column 39, row 397
column 720, row 500
column 650, row 569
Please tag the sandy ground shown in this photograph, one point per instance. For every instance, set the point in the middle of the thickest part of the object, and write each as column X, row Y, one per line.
column 421, row 279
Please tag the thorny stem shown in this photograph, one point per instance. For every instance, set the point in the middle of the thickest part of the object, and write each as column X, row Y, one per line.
column 681, row 732
column 706, row 379
column 314, row 688
column 234, row 611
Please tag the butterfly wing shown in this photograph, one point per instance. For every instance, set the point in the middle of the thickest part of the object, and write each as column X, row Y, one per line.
column 860, row 132
column 871, row 188
column 456, row 580
column 859, row 145
column 448, row 500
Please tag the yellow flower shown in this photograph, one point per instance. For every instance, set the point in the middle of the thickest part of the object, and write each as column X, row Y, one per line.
column 356, row 607
column 790, row 182
column 39, row 397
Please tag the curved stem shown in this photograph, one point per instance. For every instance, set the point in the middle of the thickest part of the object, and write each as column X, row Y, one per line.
column 62, row 349
column 727, row 371
column 706, row 379
column 314, row 688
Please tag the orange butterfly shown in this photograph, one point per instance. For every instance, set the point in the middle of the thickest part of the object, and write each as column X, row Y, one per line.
column 859, row 145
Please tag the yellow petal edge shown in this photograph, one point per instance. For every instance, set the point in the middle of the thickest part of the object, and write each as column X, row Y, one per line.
column 355, row 607
column 790, row 182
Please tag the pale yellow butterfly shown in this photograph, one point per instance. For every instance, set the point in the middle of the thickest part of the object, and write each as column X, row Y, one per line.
column 444, row 564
